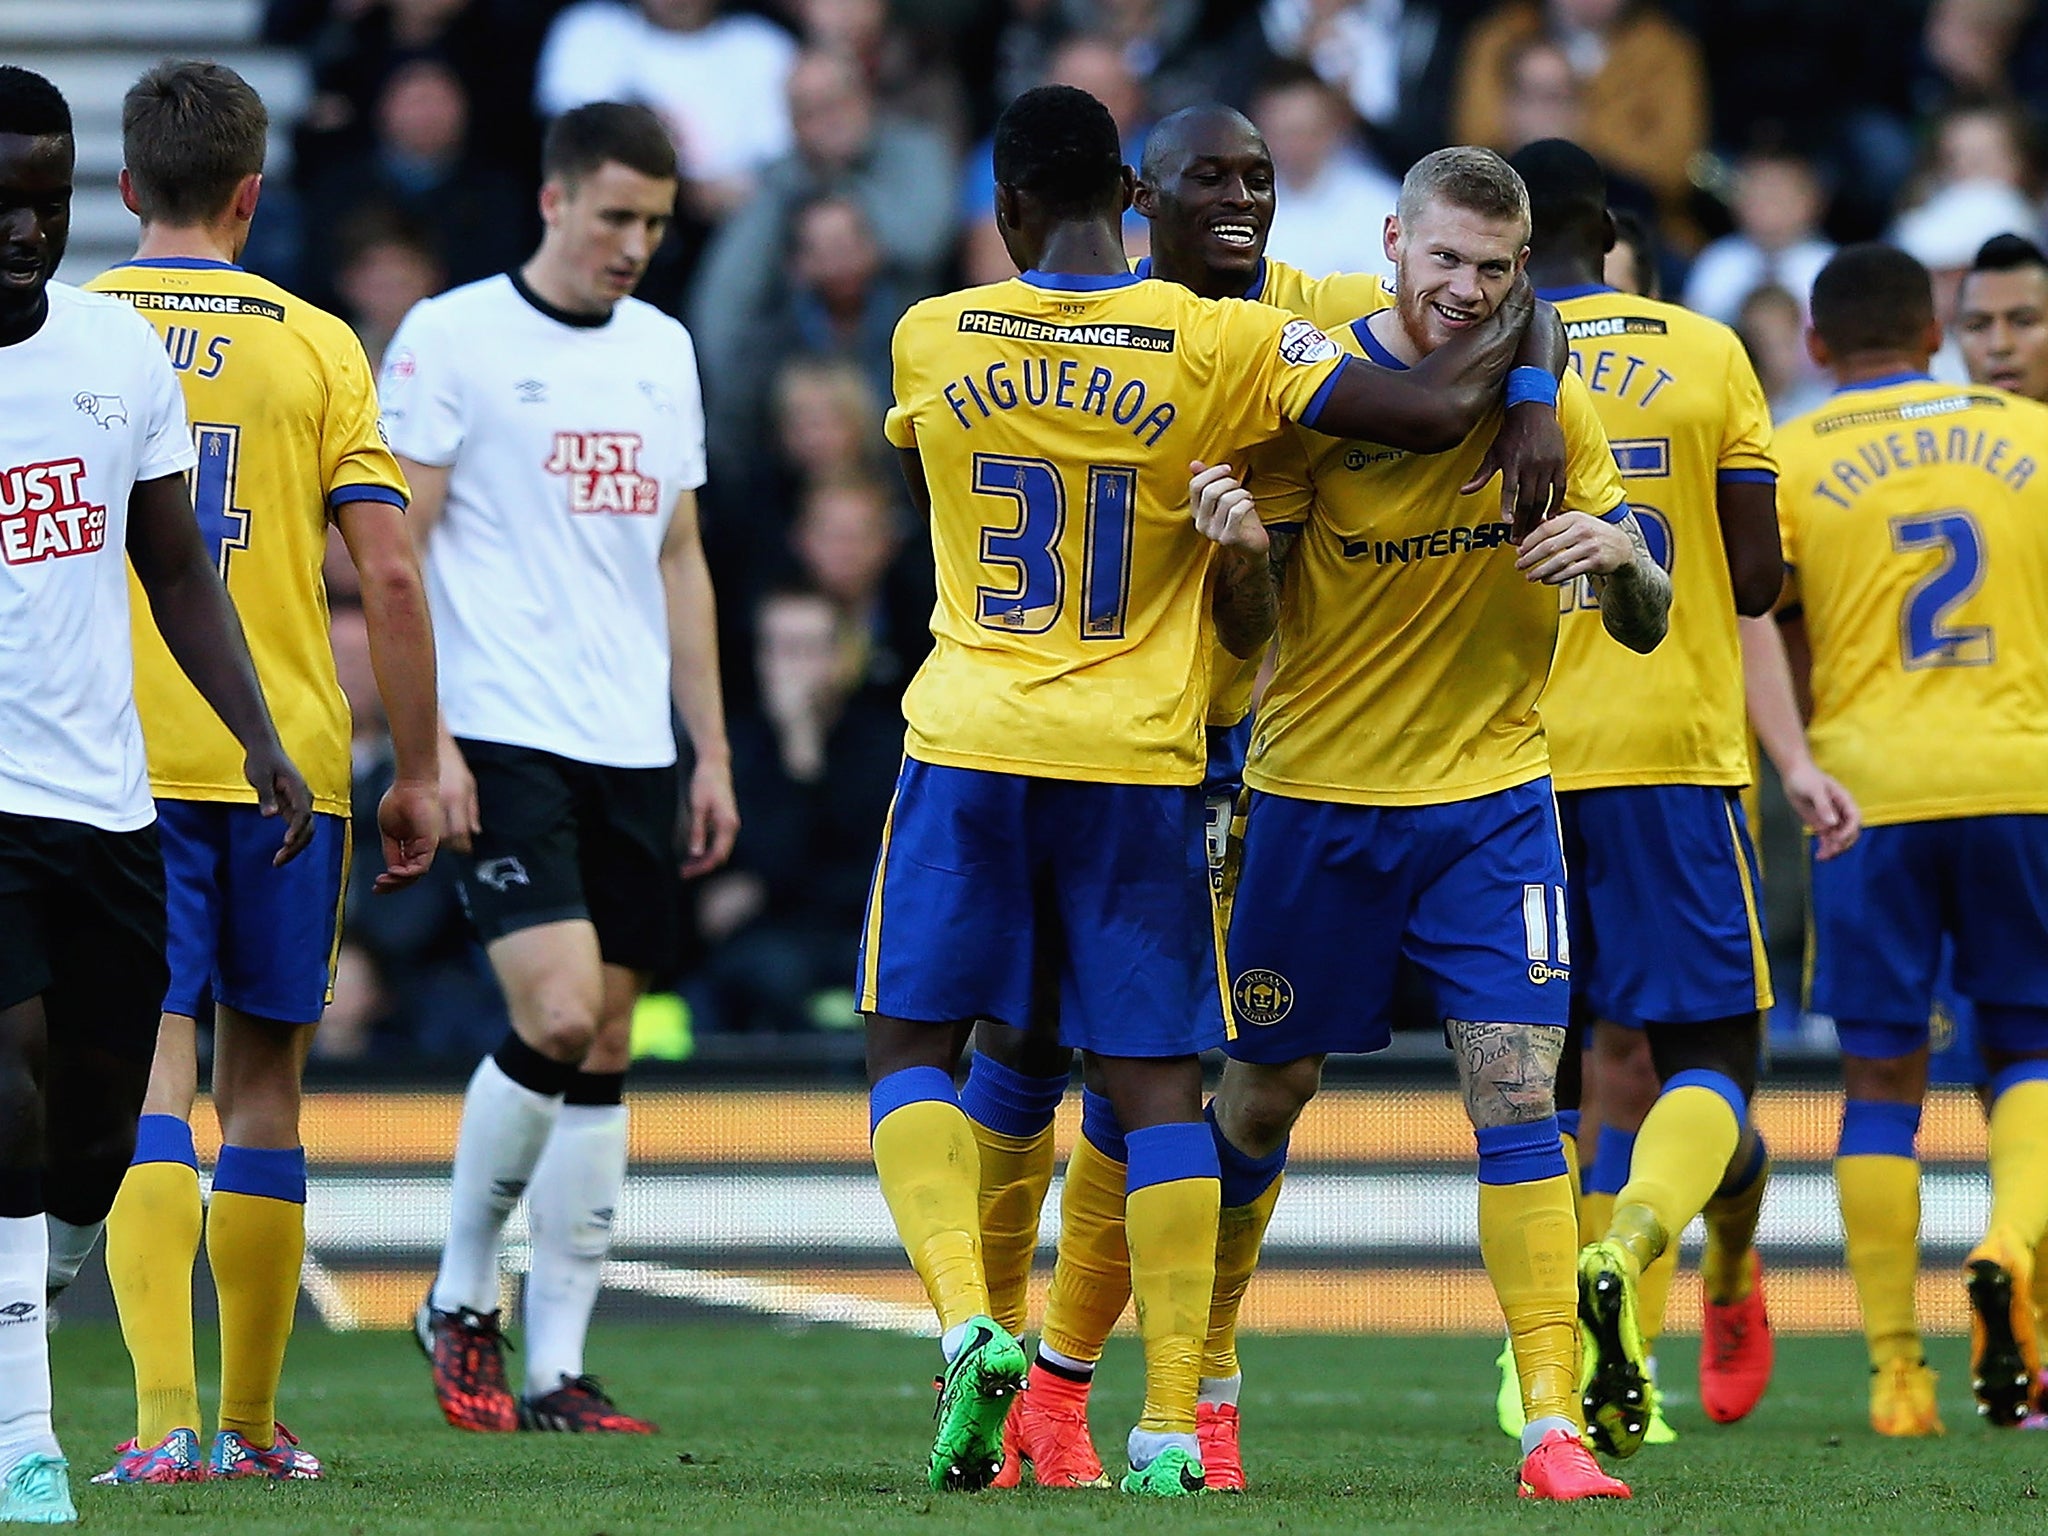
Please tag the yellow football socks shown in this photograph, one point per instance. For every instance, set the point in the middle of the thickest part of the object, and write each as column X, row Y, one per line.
column 1016, row 1172
column 152, row 1241
column 1240, row 1229
column 1091, row 1281
column 1878, row 1179
column 1170, row 1222
column 256, row 1243
column 1529, row 1240
column 930, row 1172
column 1680, row 1157
column 1731, row 1218
column 2019, row 1164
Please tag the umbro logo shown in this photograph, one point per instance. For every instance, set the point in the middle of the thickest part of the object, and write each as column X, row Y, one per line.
column 531, row 391
column 502, row 874
column 17, row 1312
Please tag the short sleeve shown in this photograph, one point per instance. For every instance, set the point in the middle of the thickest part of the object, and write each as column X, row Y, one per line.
column 899, row 426
column 1788, row 525
column 689, row 403
column 1592, row 479
column 424, row 415
column 1277, row 474
column 1746, row 436
column 355, row 463
column 164, row 438
column 1270, row 368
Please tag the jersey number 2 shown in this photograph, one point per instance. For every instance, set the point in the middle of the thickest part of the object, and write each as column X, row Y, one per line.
column 1926, row 638
column 1030, row 545
column 223, row 525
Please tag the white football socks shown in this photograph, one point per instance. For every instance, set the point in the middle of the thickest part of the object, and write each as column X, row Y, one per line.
column 574, row 1196
column 24, row 1342
column 504, row 1128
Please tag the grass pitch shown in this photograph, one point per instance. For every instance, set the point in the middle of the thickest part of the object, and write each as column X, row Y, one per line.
column 824, row 1431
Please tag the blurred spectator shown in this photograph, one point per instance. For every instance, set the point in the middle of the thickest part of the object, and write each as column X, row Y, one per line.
column 1090, row 63
column 1981, row 48
column 849, row 545
column 815, row 761
column 1163, row 47
column 1632, row 266
column 385, row 267
column 476, row 216
column 355, row 46
column 1777, row 204
column 2002, row 317
column 899, row 173
column 828, row 420
column 1944, row 235
column 716, row 79
column 841, row 303
column 1772, row 325
column 1331, row 202
column 1982, row 140
column 1392, row 60
column 907, row 76
column 1644, row 80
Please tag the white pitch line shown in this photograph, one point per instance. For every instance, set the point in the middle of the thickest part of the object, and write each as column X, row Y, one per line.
column 326, row 1296
column 795, row 1302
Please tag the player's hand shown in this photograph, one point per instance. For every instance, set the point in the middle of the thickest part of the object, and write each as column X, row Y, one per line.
column 714, row 817
column 1528, row 453
column 409, row 821
column 1571, row 545
column 1224, row 510
column 460, row 821
column 1824, row 808
column 281, row 791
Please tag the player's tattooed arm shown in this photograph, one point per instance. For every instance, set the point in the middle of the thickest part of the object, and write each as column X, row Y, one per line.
column 1633, row 589
column 1507, row 1072
column 1250, row 563
column 1635, row 600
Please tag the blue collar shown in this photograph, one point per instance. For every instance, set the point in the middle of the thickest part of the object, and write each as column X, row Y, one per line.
column 1574, row 291
column 1144, row 270
column 1375, row 349
column 1077, row 282
column 1904, row 376
column 182, row 263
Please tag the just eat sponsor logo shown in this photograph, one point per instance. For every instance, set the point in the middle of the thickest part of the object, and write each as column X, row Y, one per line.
column 603, row 471
column 44, row 514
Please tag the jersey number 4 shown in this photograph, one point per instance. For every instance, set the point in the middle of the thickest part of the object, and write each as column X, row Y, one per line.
column 1029, row 545
column 223, row 525
column 1926, row 638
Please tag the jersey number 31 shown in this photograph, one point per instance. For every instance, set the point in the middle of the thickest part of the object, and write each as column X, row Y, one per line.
column 1029, row 543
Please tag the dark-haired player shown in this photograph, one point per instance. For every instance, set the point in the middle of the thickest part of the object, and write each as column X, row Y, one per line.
column 1631, row 264
column 284, row 419
column 1649, row 754
column 1915, row 520
column 2002, row 316
column 93, row 455
column 552, row 430
column 1051, row 793
column 1207, row 188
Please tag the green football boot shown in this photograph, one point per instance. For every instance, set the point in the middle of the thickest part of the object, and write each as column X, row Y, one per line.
column 1613, row 1381
column 1172, row 1474
column 974, row 1398
column 1507, row 1401
column 1659, row 1430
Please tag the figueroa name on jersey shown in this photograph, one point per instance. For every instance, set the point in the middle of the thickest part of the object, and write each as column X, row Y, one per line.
column 43, row 515
column 603, row 471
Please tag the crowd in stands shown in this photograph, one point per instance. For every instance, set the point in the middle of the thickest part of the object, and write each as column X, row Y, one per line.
column 836, row 162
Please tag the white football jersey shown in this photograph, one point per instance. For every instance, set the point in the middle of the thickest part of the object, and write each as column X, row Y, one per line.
column 567, row 445
column 88, row 407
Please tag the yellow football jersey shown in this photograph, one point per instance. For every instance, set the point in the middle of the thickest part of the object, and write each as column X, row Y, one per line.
column 284, row 415
column 1411, row 649
column 1331, row 302
column 1683, row 410
column 1056, row 417
column 1915, row 520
